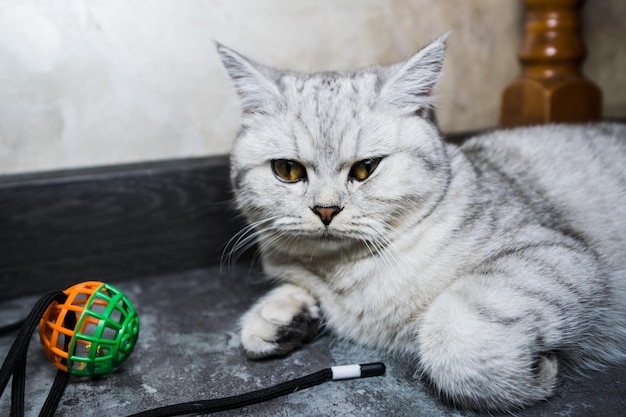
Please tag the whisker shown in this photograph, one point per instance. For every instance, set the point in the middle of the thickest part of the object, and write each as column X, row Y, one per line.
column 243, row 240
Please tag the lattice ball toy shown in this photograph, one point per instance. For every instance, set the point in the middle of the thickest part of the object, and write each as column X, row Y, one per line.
column 92, row 332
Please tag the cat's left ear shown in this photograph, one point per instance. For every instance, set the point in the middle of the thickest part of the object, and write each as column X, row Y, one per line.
column 254, row 82
column 410, row 84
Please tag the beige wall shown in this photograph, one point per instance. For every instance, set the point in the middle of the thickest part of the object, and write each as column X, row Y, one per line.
column 90, row 82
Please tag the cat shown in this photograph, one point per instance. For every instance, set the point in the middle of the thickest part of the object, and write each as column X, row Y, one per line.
column 493, row 266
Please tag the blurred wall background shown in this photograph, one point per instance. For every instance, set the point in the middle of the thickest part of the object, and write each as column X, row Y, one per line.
column 96, row 82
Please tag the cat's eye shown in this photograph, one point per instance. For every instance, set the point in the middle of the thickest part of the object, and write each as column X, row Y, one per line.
column 361, row 170
column 288, row 170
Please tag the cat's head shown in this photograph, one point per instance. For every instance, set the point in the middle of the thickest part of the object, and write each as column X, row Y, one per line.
column 330, row 160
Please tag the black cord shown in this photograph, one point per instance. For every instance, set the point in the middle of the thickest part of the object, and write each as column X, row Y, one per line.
column 18, row 388
column 228, row 403
column 61, row 379
column 55, row 394
column 15, row 365
column 238, row 401
column 15, row 361
column 20, row 346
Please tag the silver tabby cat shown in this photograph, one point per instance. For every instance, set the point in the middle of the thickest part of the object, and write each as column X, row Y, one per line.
column 492, row 266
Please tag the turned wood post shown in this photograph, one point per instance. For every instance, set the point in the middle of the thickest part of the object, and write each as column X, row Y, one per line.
column 551, row 87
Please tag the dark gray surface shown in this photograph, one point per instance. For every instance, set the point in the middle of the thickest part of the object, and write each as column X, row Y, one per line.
column 189, row 349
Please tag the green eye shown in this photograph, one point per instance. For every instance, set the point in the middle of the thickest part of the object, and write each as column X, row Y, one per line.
column 288, row 171
column 363, row 169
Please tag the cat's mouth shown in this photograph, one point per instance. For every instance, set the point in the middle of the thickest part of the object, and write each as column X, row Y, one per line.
column 325, row 235
column 321, row 235
column 337, row 238
column 328, row 235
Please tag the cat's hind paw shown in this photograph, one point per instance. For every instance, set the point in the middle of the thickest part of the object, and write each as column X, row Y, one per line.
column 280, row 322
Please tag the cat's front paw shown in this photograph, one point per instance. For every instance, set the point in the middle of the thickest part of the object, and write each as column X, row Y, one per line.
column 280, row 322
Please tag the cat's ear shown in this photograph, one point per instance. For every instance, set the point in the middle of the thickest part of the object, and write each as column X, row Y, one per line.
column 410, row 84
column 253, row 82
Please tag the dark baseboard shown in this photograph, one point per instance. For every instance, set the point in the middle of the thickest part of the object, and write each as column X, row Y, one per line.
column 112, row 223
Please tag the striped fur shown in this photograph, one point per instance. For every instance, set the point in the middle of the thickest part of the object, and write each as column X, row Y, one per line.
column 494, row 266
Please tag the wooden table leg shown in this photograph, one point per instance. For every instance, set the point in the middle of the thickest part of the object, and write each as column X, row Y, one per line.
column 552, row 87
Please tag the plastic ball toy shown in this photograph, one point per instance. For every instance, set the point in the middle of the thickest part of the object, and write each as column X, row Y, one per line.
column 92, row 332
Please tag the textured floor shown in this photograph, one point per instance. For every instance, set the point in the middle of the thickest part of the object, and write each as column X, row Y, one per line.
column 189, row 349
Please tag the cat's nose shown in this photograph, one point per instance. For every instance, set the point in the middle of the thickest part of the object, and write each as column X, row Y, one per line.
column 326, row 214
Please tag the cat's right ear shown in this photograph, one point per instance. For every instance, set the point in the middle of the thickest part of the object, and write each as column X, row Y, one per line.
column 253, row 82
column 410, row 86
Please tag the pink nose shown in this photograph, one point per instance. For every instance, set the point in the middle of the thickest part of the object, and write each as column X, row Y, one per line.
column 326, row 214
